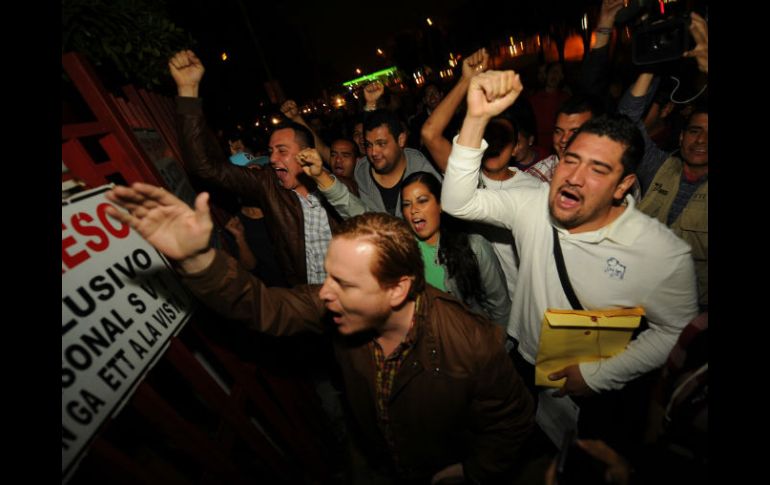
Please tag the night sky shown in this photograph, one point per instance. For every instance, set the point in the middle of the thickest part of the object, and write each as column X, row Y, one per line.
column 309, row 45
column 305, row 42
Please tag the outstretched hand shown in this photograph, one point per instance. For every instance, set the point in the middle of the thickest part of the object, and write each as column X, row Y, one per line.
column 166, row 222
column 187, row 71
column 700, row 32
column 492, row 92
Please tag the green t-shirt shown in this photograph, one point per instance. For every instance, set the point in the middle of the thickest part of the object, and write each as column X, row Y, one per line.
column 434, row 272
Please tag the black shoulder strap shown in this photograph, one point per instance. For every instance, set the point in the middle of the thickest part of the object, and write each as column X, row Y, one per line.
column 563, row 276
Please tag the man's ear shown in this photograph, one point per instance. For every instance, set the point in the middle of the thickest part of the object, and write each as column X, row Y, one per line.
column 402, row 140
column 400, row 291
column 625, row 184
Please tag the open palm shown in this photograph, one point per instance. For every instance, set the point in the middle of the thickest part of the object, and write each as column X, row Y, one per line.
column 165, row 221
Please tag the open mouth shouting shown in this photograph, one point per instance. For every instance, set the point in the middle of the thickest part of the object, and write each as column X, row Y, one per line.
column 568, row 198
column 280, row 172
column 418, row 224
column 336, row 317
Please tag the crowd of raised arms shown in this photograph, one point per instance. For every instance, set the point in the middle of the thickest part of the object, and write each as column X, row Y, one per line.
column 433, row 245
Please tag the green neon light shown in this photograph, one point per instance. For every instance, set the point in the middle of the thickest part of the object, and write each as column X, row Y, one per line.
column 371, row 77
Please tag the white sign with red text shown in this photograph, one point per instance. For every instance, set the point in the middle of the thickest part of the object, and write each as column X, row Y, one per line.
column 121, row 304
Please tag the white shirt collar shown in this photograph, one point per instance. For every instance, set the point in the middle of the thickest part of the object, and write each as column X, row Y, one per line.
column 623, row 230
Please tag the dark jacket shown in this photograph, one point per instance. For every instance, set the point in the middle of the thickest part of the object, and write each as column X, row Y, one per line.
column 283, row 211
column 456, row 397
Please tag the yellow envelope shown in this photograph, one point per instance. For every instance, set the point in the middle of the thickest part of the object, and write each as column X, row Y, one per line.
column 572, row 336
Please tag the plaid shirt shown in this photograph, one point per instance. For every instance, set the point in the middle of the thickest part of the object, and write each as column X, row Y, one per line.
column 386, row 369
column 543, row 169
column 317, row 237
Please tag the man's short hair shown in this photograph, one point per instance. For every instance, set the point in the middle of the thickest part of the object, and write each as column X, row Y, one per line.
column 432, row 84
column 699, row 108
column 375, row 119
column 525, row 127
column 302, row 135
column 247, row 139
column 356, row 152
column 580, row 104
column 621, row 129
column 499, row 133
column 397, row 255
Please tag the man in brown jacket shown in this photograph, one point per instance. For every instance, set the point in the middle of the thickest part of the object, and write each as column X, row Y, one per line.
column 430, row 388
column 299, row 220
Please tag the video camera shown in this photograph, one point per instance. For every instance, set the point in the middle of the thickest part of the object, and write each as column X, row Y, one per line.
column 661, row 32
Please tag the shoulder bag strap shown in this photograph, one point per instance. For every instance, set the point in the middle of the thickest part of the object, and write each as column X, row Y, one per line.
column 563, row 276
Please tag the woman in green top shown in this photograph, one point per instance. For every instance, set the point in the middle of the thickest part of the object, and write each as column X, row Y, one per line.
column 457, row 262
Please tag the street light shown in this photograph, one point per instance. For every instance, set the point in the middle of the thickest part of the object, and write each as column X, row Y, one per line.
column 379, row 52
column 430, row 22
column 224, row 56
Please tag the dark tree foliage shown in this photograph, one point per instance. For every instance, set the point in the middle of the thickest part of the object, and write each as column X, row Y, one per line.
column 128, row 41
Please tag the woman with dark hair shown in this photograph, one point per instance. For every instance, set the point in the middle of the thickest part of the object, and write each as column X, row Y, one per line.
column 457, row 262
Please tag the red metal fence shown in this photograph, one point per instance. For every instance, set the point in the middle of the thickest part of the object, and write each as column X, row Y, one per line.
column 204, row 414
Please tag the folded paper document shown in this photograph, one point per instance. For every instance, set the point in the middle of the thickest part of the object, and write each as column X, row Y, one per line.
column 572, row 336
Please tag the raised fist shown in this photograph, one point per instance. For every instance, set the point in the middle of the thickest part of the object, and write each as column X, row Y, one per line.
column 492, row 92
column 290, row 110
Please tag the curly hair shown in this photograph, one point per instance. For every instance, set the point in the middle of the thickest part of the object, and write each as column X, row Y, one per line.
column 454, row 245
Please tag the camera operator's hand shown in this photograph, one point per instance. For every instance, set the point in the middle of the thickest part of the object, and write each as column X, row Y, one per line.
column 700, row 32
column 608, row 12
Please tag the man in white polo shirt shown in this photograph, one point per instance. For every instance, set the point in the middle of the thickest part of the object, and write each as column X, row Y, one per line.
column 615, row 255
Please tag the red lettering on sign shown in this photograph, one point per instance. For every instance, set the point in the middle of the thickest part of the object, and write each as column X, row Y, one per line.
column 70, row 260
column 98, row 235
column 119, row 232
column 101, row 243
